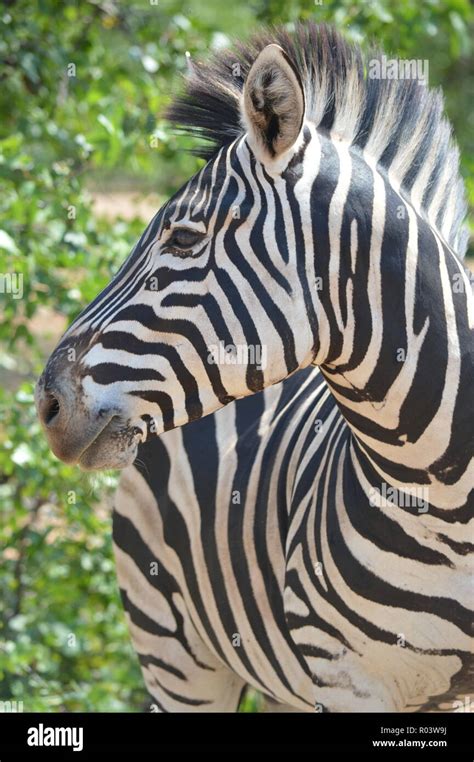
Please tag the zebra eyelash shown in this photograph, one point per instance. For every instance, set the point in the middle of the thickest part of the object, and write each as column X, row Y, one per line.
column 183, row 241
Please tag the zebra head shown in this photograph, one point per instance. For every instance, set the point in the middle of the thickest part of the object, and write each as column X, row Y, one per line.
column 211, row 305
column 329, row 210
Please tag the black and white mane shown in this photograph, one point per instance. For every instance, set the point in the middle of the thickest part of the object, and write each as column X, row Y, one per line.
column 399, row 122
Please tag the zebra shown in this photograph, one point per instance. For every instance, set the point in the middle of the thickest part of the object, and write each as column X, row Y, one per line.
column 296, row 518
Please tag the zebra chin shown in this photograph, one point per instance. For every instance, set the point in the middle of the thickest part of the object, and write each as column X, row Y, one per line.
column 103, row 453
column 115, row 446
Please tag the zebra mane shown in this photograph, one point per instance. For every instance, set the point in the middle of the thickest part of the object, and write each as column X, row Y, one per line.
column 398, row 122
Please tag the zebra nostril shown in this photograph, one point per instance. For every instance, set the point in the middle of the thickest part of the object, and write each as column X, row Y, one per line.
column 50, row 409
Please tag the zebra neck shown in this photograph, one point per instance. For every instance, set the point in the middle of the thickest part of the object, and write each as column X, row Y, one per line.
column 403, row 366
column 420, row 443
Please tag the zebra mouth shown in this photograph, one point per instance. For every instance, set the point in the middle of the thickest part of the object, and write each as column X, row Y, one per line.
column 114, row 447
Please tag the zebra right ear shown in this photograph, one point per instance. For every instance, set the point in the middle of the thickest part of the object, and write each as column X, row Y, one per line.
column 273, row 104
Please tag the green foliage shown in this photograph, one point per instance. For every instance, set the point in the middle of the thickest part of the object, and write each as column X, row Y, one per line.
column 64, row 644
column 83, row 85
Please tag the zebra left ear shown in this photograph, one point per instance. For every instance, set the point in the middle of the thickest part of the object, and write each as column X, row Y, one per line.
column 273, row 104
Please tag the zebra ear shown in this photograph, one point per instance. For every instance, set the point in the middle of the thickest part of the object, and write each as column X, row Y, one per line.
column 273, row 104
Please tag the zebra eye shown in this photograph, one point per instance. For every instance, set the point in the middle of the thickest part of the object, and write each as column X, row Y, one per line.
column 184, row 239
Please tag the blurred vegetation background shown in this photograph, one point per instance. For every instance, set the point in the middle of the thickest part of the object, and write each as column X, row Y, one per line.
column 85, row 160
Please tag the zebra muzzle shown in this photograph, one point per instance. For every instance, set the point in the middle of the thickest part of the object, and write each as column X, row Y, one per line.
column 69, row 428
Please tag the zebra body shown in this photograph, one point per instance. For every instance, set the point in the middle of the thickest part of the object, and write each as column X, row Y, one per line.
column 313, row 538
column 259, row 578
